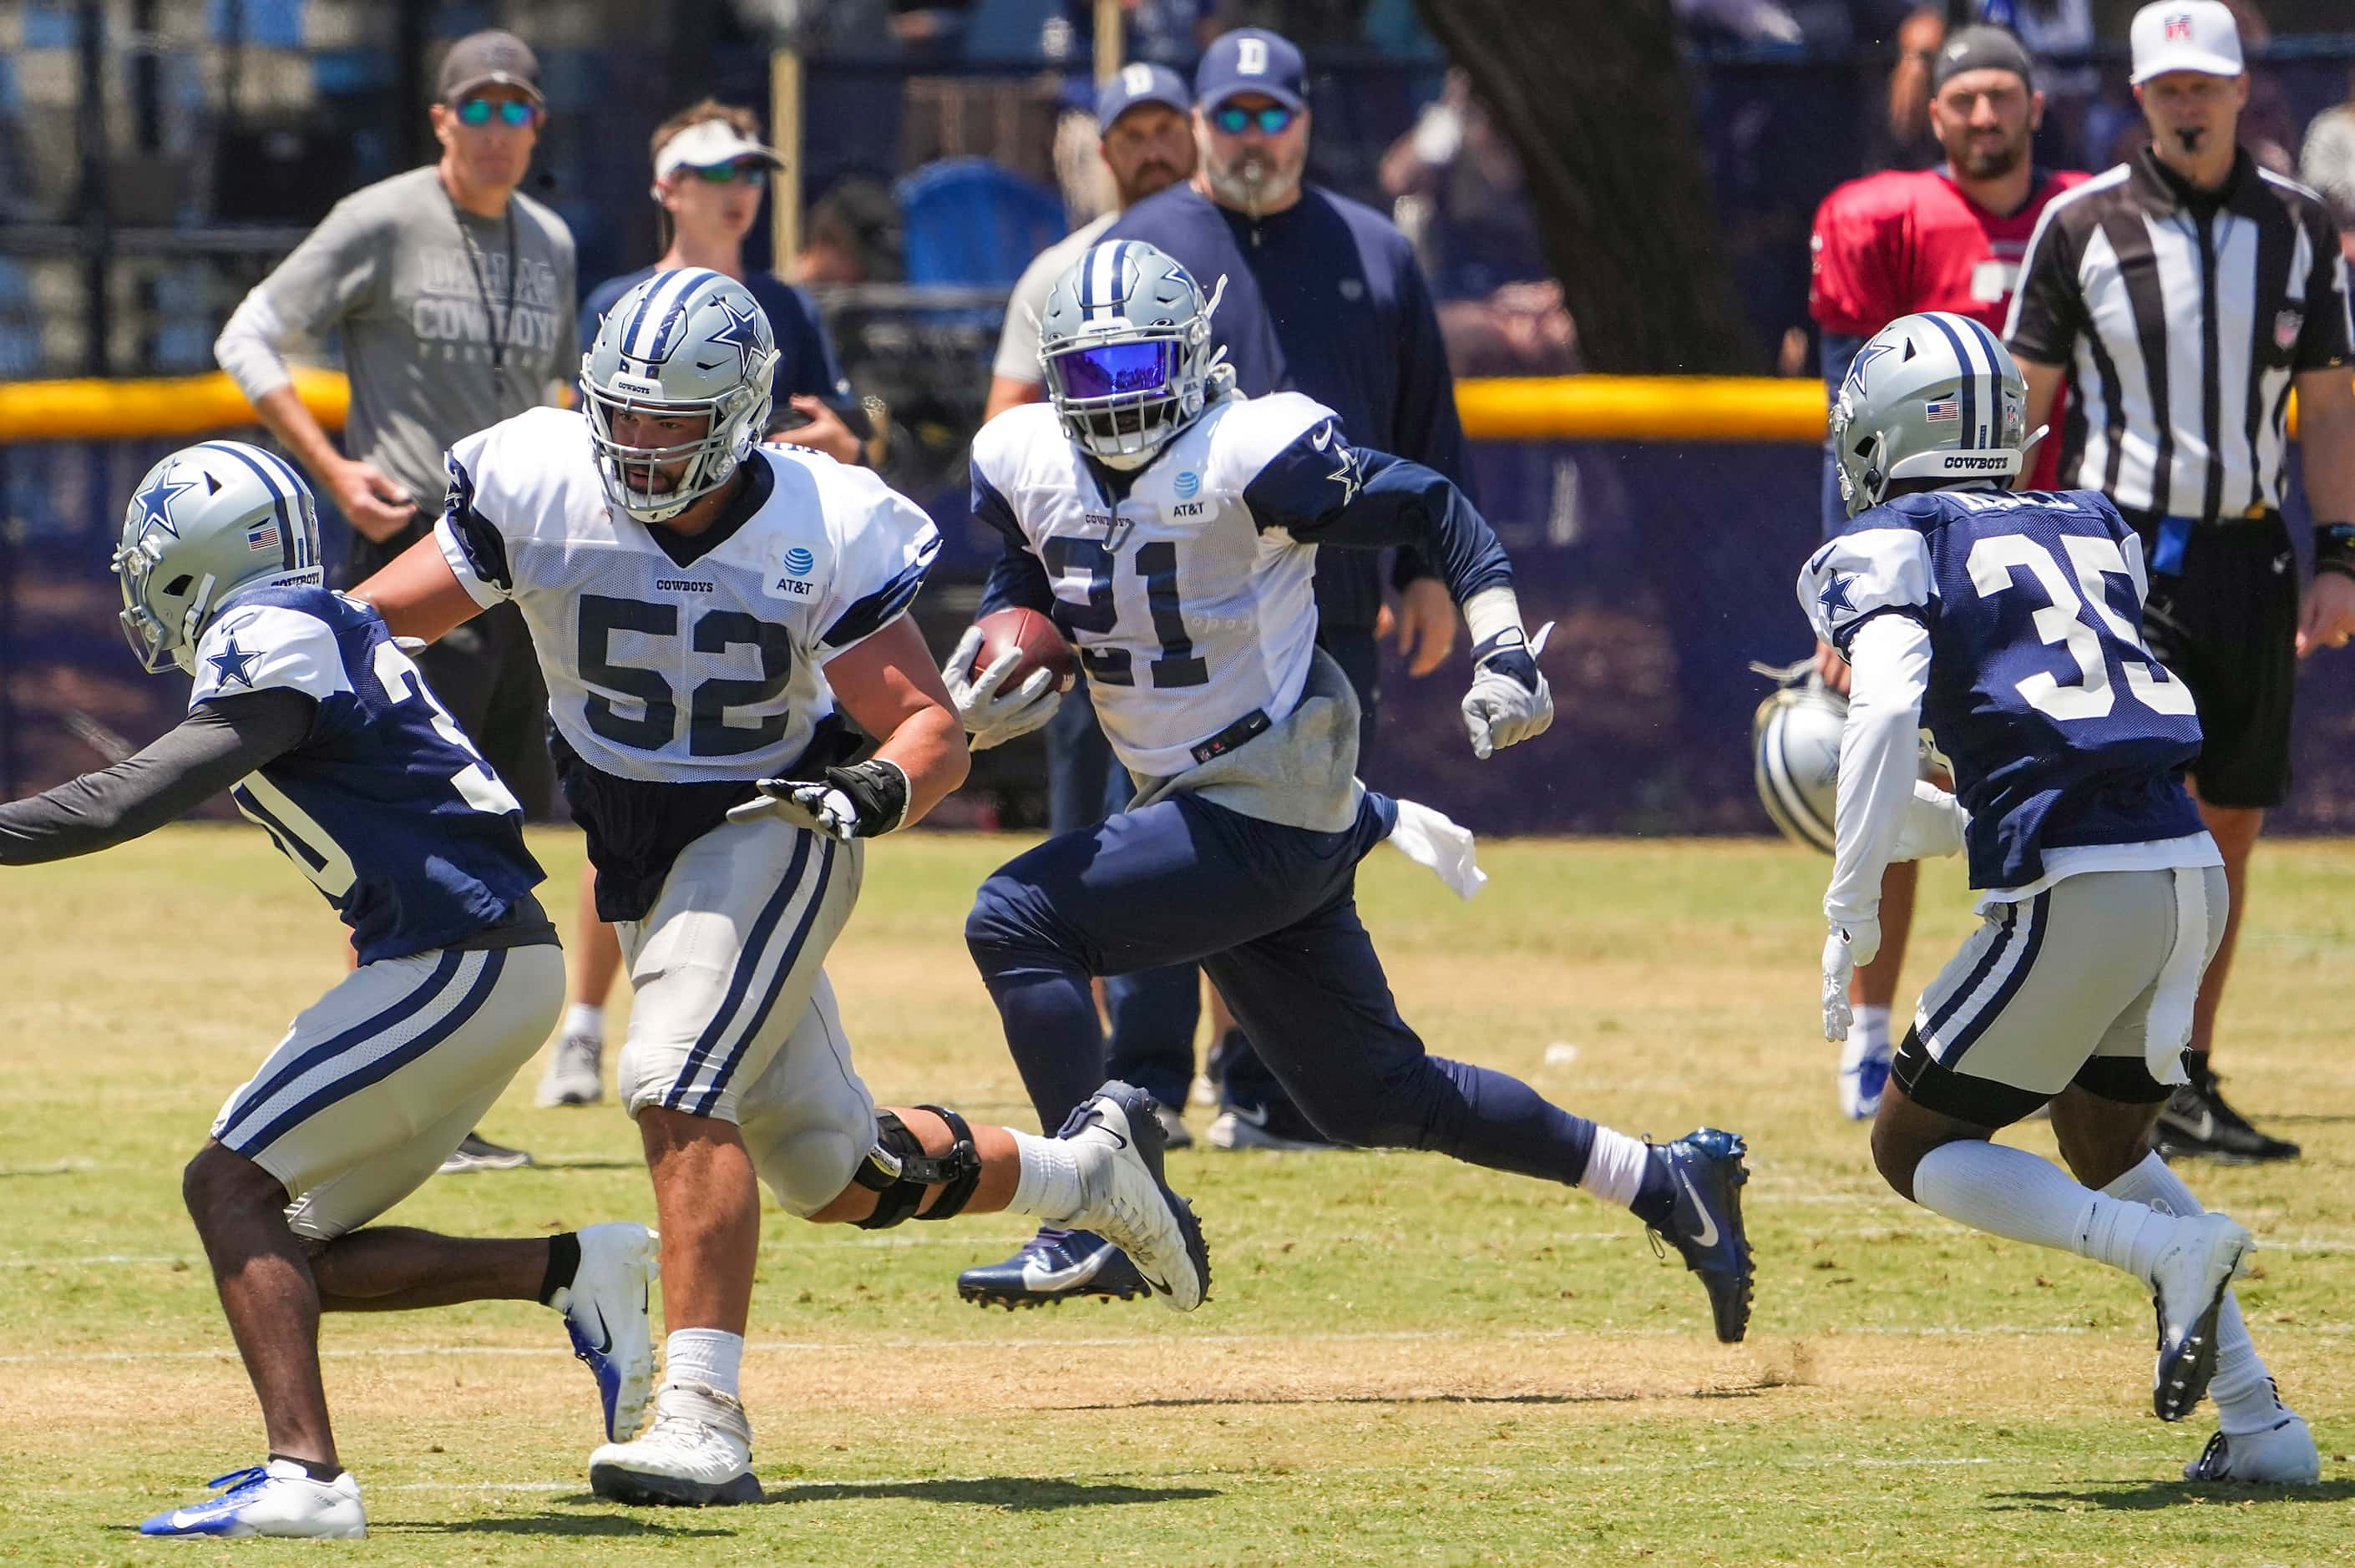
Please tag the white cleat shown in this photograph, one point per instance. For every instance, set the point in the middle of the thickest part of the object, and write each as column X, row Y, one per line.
column 1174, row 1134
column 605, row 1311
column 1118, row 1141
column 2282, row 1454
column 698, row 1454
column 279, row 1498
column 2187, row 1286
column 576, row 1073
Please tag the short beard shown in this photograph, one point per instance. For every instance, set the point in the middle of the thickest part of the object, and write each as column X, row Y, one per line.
column 1992, row 165
column 1251, row 185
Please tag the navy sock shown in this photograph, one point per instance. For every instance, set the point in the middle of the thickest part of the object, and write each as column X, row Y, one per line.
column 563, row 1262
column 312, row 1467
column 1656, row 1200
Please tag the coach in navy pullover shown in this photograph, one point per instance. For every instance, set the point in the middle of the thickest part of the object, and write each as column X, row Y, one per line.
column 1323, row 296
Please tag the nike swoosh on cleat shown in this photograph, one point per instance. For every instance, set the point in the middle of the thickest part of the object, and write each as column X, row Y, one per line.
column 1707, row 1225
column 1256, row 1116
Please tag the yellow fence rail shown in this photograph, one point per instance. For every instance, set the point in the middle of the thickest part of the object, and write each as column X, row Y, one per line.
column 1554, row 408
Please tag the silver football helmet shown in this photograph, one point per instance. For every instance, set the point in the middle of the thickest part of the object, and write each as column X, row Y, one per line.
column 1126, row 343
column 686, row 342
column 207, row 522
column 1934, row 395
column 1794, row 745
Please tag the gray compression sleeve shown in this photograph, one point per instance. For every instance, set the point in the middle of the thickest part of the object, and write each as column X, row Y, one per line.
column 220, row 742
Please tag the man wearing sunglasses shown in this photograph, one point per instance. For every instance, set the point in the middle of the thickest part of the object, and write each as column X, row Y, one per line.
column 711, row 170
column 1323, row 297
column 452, row 294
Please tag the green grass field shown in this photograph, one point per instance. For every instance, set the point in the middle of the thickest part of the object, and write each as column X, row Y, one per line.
column 1403, row 1360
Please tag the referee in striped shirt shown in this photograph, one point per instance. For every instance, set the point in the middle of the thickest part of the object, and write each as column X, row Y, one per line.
column 2186, row 292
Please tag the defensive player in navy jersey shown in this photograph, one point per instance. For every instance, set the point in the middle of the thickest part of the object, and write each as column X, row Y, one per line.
column 318, row 724
column 2011, row 624
column 1171, row 528
column 711, row 616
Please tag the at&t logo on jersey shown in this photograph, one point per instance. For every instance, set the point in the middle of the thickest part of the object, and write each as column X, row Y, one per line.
column 1187, row 483
column 793, row 580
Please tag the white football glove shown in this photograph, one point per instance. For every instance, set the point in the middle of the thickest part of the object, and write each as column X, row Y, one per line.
column 861, row 802
column 1856, row 942
column 1934, row 827
column 992, row 717
column 1509, row 701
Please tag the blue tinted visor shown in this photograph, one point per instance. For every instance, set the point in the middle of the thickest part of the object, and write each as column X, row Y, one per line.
column 1116, row 369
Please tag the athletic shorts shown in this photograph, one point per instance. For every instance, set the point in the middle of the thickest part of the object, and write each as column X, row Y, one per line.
column 2086, row 982
column 379, row 1079
column 733, row 1019
column 2227, row 624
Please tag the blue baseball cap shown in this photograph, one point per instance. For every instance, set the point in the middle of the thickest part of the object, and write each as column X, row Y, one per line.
column 1251, row 59
column 1139, row 83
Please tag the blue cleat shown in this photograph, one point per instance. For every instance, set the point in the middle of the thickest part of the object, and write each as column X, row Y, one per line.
column 1705, row 1226
column 279, row 1498
column 1054, row 1266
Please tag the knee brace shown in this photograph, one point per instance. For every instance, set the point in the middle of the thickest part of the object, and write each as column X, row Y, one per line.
column 897, row 1171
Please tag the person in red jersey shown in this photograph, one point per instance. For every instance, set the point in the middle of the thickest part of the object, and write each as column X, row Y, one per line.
column 1948, row 239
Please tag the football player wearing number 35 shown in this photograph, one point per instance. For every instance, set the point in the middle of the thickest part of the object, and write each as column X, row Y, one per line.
column 2012, row 623
column 1170, row 527
column 705, row 611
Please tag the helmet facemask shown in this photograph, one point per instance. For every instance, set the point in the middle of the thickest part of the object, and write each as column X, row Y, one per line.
column 210, row 524
column 161, row 621
column 712, row 457
column 683, row 342
column 1125, row 345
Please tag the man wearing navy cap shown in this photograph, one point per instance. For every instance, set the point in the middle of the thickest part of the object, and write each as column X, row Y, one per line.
column 1323, row 296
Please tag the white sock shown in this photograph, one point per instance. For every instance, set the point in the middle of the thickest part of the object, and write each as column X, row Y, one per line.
column 2011, row 1193
column 1616, row 1167
column 2242, row 1389
column 1867, row 1031
column 712, row 1357
column 582, row 1019
column 1048, row 1186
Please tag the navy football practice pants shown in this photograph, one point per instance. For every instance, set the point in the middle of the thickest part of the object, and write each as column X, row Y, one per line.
column 1270, row 912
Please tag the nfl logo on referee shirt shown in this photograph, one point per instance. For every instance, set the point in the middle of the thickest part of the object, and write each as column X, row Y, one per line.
column 2287, row 325
column 1942, row 413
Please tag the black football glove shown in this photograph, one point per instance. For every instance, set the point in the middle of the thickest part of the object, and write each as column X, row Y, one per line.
column 860, row 801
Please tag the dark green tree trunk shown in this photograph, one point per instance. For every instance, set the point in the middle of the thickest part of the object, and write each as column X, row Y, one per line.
column 1593, row 97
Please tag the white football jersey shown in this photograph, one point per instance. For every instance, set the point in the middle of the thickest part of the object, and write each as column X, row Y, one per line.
column 671, row 673
column 1188, row 613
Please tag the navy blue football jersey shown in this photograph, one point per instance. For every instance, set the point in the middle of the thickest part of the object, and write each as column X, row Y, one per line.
column 2064, row 730
column 385, row 805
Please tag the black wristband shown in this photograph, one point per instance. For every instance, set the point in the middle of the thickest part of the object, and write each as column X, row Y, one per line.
column 2334, row 546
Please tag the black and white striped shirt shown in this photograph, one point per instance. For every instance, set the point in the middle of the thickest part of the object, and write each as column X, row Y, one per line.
column 2184, row 316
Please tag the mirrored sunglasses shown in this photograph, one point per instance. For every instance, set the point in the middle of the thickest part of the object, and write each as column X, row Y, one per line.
column 755, row 174
column 512, row 112
column 1234, row 122
column 1110, row 369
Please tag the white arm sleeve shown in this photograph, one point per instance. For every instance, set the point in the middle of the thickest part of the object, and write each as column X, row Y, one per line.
column 248, row 347
column 1879, row 759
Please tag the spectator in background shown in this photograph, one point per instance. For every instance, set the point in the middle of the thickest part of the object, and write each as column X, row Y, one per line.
column 2044, row 27
column 450, row 290
column 710, row 172
column 1147, row 143
column 2327, row 160
column 1322, row 296
column 853, row 236
column 1886, row 245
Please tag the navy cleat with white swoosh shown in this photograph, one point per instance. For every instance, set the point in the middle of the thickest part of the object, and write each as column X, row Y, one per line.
column 1054, row 1266
column 1705, row 1168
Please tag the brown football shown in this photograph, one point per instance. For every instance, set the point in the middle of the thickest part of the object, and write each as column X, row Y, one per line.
column 1033, row 636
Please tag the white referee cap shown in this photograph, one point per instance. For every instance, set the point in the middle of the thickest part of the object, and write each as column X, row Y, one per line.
column 2185, row 35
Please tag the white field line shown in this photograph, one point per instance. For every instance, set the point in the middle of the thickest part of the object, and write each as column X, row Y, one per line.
column 1114, row 1341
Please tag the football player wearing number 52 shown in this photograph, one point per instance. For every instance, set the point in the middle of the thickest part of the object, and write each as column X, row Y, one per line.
column 1171, row 526
column 318, row 723
column 2012, row 625
column 707, row 610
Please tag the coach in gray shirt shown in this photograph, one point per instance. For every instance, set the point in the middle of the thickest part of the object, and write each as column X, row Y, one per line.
column 454, row 297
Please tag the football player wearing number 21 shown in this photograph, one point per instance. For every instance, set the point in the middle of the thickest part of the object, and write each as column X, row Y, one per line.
column 1171, row 526
column 705, row 611
column 2012, row 625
